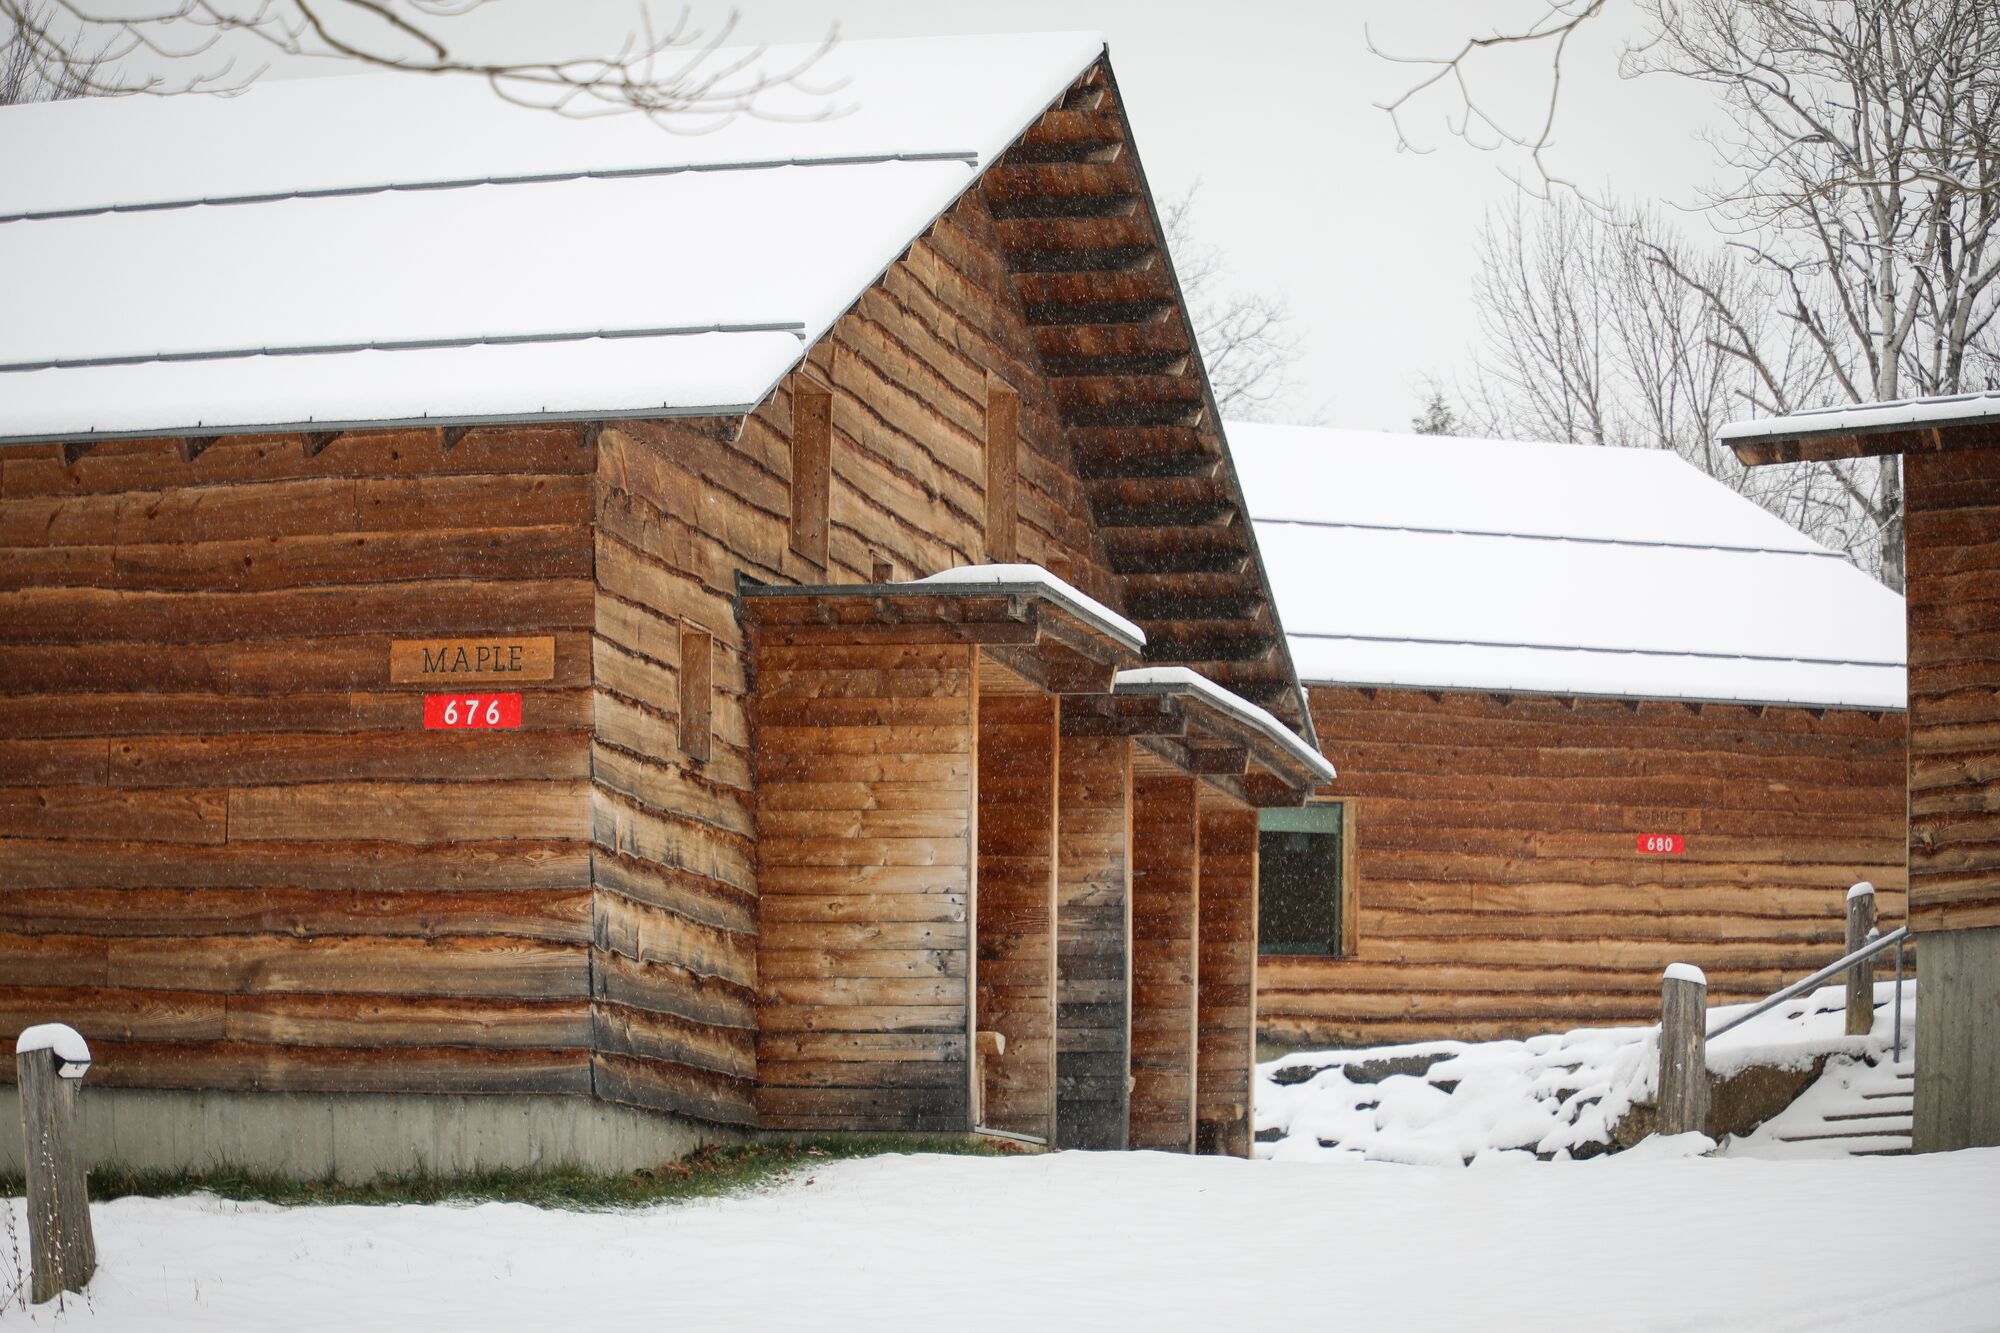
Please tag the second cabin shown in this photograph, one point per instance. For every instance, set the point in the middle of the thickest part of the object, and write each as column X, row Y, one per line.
column 619, row 638
column 1595, row 712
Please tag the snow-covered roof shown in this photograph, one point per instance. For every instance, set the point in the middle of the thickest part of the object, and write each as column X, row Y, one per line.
column 1866, row 418
column 1183, row 680
column 384, row 249
column 1421, row 561
column 1017, row 578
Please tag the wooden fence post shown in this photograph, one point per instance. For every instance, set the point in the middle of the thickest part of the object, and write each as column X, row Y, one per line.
column 1861, row 976
column 48, row 1061
column 1683, row 1050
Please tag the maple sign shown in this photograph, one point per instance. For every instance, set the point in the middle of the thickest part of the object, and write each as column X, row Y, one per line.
column 461, row 712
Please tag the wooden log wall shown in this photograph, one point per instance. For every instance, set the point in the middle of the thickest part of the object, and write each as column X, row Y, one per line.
column 1501, row 892
column 865, row 772
column 1227, row 1019
column 1165, row 956
column 1016, row 992
column 229, row 851
column 1093, row 941
column 1952, row 553
column 674, row 920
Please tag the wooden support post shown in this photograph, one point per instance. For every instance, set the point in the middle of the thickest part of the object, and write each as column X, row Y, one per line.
column 1683, row 1050
column 1225, row 1073
column 48, row 1061
column 1015, row 990
column 1166, row 933
column 1093, row 941
column 1861, row 976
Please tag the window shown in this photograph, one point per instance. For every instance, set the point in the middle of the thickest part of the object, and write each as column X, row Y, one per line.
column 1305, row 880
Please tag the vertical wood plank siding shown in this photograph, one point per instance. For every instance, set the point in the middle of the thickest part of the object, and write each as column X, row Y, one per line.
column 229, row 852
column 1228, row 979
column 1501, row 890
column 1093, row 941
column 865, row 768
column 1952, row 549
column 1165, row 957
column 1016, row 994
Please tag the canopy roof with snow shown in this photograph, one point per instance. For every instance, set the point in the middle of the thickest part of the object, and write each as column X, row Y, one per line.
column 1557, row 569
column 386, row 250
column 1860, row 430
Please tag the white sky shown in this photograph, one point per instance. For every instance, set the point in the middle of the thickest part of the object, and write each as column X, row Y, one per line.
column 1268, row 104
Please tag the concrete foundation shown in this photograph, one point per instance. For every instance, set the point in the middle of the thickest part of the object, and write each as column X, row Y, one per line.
column 1958, row 1041
column 356, row 1137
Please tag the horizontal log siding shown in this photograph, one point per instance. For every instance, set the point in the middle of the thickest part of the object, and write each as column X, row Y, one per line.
column 1952, row 551
column 674, row 915
column 1016, row 994
column 866, row 859
column 1501, row 892
column 229, row 852
column 1093, row 941
column 1228, row 979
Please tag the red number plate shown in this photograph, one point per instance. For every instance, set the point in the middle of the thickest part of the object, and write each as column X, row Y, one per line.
column 1662, row 844
column 462, row 712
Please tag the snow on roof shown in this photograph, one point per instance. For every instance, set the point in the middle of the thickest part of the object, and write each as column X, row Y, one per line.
column 1420, row 561
column 1861, row 418
column 1035, row 578
column 1176, row 679
column 384, row 248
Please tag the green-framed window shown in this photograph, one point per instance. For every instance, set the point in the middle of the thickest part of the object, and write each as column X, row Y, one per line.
column 1305, row 880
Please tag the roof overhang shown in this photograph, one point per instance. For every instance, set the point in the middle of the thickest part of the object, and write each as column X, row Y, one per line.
column 1867, row 430
column 1040, row 627
column 1204, row 730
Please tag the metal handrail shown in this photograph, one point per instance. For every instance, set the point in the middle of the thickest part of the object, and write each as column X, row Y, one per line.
column 1894, row 939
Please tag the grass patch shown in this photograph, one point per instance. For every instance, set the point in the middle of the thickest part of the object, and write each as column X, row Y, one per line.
column 709, row 1172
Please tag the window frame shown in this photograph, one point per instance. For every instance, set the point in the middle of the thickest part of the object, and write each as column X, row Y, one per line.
column 1346, row 926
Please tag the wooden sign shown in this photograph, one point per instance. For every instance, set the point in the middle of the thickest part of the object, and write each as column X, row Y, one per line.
column 471, row 661
column 1662, row 844
column 462, row 712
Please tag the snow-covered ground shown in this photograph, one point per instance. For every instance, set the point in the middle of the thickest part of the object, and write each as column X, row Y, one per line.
column 1640, row 1241
column 1449, row 1103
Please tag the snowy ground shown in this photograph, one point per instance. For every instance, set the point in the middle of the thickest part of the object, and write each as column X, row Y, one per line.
column 1640, row 1241
column 1448, row 1103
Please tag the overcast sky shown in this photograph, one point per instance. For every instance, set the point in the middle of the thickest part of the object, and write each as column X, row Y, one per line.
column 1269, row 106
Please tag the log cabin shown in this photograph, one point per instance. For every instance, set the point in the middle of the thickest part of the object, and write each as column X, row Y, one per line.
column 1949, row 450
column 1596, row 713
column 532, row 640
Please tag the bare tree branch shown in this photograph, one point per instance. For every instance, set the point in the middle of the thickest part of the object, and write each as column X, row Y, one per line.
column 678, row 78
column 1247, row 339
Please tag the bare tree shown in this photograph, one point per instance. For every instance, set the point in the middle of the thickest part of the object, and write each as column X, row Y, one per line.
column 1865, row 183
column 22, row 77
column 1247, row 340
column 1861, row 204
column 1547, row 34
column 1607, row 327
column 105, row 48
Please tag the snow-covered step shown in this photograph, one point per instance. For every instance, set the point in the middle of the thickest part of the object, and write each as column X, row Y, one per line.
column 1854, row 1109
